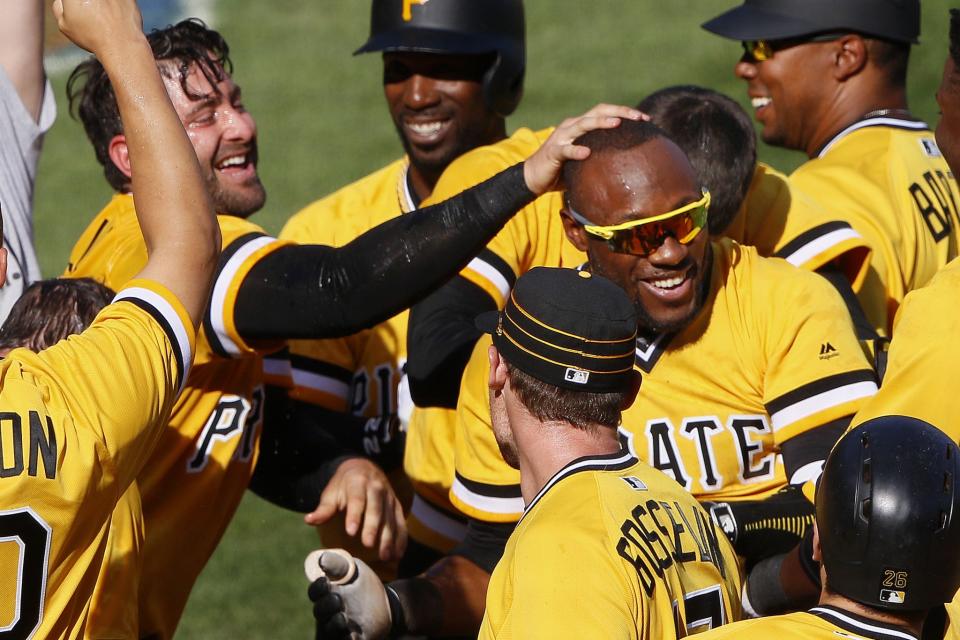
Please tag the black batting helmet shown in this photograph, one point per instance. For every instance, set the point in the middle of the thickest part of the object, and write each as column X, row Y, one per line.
column 888, row 513
column 458, row 27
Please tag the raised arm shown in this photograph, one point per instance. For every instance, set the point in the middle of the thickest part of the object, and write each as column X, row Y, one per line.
column 313, row 292
column 173, row 208
column 21, row 51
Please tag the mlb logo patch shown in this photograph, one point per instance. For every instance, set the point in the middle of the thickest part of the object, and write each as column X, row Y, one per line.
column 577, row 376
column 892, row 596
column 635, row 483
column 930, row 148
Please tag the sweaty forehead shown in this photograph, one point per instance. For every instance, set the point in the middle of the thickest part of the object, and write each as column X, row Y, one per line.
column 647, row 180
column 198, row 82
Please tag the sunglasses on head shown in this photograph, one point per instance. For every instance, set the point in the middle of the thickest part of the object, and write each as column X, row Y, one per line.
column 644, row 236
column 761, row 50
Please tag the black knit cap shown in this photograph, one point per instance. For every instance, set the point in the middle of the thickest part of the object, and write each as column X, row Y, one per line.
column 567, row 328
column 897, row 20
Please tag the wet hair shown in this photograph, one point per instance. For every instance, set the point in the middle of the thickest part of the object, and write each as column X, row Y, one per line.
column 50, row 310
column 718, row 137
column 630, row 134
column 582, row 409
column 955, row 37
column 93, row 101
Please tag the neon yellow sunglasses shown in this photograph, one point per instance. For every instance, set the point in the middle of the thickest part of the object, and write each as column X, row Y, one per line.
column 644, row 236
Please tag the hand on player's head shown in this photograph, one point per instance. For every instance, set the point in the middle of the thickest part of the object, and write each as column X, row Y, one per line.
column 542, row 170
column 97, row 25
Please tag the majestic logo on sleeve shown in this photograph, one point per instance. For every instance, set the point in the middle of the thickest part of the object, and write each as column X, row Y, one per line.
column 407, row 8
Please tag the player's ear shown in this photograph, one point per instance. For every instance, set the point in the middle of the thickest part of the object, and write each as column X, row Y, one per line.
column 119, row 154
column 849, row 56
column 631, row 395
column 574, row 230
column 817, row 551
column 498, row 370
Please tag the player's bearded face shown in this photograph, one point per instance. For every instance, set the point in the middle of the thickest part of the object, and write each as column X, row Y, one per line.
column 670, row 285
column 224, row 136
column 501, row 429
column 436, row 102
column 948, row 128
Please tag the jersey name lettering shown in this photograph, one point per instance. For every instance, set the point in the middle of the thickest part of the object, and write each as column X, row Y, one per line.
column 232, row 416
column 658, row 534
column 40, row 446
column 935, row 203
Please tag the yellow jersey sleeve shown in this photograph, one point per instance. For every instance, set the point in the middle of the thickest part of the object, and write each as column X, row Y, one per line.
column 484, row 487
column 244, row 244
column 923, row 357
column 509, row 253
column 787, row 224
column 123, row 373
column 815, row 370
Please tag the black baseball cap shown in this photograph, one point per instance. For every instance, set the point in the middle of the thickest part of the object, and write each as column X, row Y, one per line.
column 897, row 20
column 568, row 328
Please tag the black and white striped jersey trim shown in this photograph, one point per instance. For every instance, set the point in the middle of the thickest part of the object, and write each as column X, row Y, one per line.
column 169, row 320
column 231, row 261
column 610, row 462
column 816, row 241
column 859, row 625
column 494, row 270
column 489, row 498
column 820, row 395
column 649, row 350
column 317, row 375
column 893, row 123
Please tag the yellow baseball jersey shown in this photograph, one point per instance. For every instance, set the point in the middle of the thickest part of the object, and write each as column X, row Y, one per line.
column 782, row 225
column 771, row 356
column 820, row 623
column 80, row 421
column 206, row 457
column 358, row 374
column 611, row 548
column 887, row 178
column 923, row 359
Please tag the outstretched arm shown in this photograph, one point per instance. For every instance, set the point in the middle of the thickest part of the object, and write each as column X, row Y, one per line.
column 314, row 292
column 21, row 51
column 173, row 208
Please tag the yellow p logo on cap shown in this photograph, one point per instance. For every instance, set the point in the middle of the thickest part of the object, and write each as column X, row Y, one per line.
column 407, row 4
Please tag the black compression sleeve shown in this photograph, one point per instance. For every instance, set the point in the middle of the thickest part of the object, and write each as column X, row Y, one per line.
column 813, row 446
column 320, row 292
column 440, row 338
column 484, row 543
column 297, row 458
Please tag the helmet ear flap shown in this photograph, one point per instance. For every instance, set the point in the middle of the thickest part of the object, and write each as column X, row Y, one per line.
column 502, row 93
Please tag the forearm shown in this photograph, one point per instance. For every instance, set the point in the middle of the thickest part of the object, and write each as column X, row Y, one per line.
column 21, row 50
column 441, row 335
column 448, row 600
column 341, row 291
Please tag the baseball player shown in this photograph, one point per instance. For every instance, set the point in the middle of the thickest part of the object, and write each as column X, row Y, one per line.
column 82, row 417
column 887, row 534
column 265, row 290
column 829, row 79
column 731, row 384
column 452, row 72
column 639, row 557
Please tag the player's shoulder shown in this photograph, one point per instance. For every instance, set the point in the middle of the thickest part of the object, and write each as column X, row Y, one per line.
column 367, row 201
column 582, row 487
column 233, row 228
column 476, row 165
column 741, row 264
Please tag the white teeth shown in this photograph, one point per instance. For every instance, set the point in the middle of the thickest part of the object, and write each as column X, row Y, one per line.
column 760, row 102
column 425, row 129
column 668, row 283
column 235, row 161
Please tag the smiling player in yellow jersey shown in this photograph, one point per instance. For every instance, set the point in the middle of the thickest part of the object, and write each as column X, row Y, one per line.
column 830, row 81
column 753, row 204
column 83, row 417
column 449, row 87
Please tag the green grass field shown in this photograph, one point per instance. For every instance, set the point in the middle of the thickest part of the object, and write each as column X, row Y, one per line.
column 323, row 123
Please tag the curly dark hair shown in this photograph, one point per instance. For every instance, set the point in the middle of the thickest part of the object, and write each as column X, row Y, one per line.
column 187, row 43
column 51, row 310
